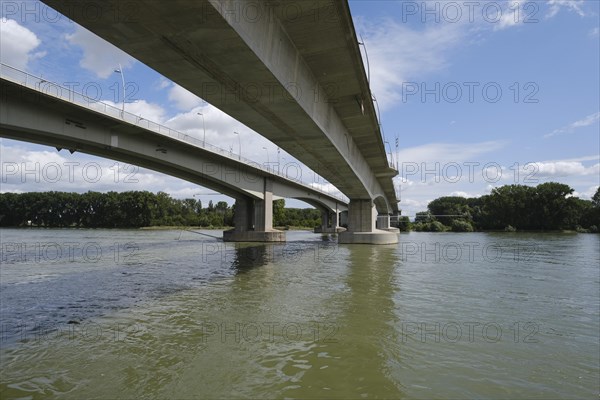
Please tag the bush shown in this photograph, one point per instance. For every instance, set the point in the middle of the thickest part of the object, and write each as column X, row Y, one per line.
column 418, row 227
column 436, row 226
column 404, row 224
column 461, row 226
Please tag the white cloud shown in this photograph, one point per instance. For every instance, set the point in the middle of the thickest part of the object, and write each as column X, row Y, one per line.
column 327, row 188
column 590, row 192
column 146, row 111
column 464, row 194
column 594, row 32
column 435, row 177
column 99, row 56
column 45, row 168
column 447, row 152
column 184, row 99
column 32, row 168
column 587, row 121
column 17, row 44
column 571, row 5
column 150, row 111
column 163, row 83
column 397, row 54
column 563, row 169
column 512, row 15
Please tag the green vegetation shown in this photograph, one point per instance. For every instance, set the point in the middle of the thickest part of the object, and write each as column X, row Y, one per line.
column 295, row 217
column 133, row 209
column 546, row 207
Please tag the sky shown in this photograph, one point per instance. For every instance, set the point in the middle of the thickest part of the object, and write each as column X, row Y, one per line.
column 472, row 95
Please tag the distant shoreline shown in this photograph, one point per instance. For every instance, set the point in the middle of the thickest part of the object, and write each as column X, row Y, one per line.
column 157, row 228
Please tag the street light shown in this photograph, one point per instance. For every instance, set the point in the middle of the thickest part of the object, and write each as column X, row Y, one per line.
column 204, row 129
column 239, row 145
column 268, row 159
column 120, row 71
column 391, row 154
column 278, row 160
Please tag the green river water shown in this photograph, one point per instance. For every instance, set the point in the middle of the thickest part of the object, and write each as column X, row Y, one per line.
column 128, row 314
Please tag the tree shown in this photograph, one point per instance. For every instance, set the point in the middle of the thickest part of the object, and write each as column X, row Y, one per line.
column 404, row 224
column 279, row 212
column 448, row 209
column 509, row 205
column 596, row 198
column 424, row 217
column 552, row 207
column 461, row 226
column 221, row 207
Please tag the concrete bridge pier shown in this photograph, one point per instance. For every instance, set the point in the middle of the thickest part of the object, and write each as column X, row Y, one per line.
column 395, row 219
column 253, row 219
column 366, row 226
column 330, row 222
column 383, row 222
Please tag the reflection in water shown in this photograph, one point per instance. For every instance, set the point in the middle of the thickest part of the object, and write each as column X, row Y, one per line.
column 247, row 257
column 350, row 359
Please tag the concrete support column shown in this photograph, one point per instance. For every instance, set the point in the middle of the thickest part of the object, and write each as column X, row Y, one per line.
column 254, row 219
column 329, row 222
column 324, row 220
column 242, row 216
column 383, row 221
column 363, row 225
column 335, row 220
column 263, row 209
column 362, row 215
column 395, row 219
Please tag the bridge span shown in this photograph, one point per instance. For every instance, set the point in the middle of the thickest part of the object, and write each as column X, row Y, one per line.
column 290, row 70
column 37, row 111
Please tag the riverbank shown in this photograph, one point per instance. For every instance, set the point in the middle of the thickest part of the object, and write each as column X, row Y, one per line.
column 215, row 228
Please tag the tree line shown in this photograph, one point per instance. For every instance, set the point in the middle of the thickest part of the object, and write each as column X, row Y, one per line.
column 133, row 209
column 547, row 207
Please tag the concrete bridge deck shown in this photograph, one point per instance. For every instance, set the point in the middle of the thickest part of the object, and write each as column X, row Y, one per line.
column 45, row 113
column 296, row 78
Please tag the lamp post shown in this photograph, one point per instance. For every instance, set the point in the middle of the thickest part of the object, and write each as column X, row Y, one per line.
column 204, row 129
column 239, row 145
column 391, row 154
column 120, row 71
column 278, row 160
column 268, row 159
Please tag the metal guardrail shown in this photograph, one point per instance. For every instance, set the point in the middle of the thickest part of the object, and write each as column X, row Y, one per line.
column 53, row 89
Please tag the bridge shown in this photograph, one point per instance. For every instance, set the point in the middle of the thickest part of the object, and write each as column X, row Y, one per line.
column 37, row 111
column 292, row 71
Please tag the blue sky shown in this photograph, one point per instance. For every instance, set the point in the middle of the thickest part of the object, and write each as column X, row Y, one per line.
column 479, row 94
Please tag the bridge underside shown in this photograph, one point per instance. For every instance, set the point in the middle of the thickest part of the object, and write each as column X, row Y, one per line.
column 298, row 80
column 30, row 116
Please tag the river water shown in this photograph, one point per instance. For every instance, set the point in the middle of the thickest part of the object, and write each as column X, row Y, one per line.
column 174, row 314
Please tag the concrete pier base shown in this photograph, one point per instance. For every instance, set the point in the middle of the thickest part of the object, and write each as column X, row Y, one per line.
column 365, row 226
column 253, row 236
column 253, row 219
column 321, row 229
column 375, row 237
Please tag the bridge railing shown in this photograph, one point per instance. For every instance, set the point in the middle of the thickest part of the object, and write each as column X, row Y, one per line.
column 53, row 89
